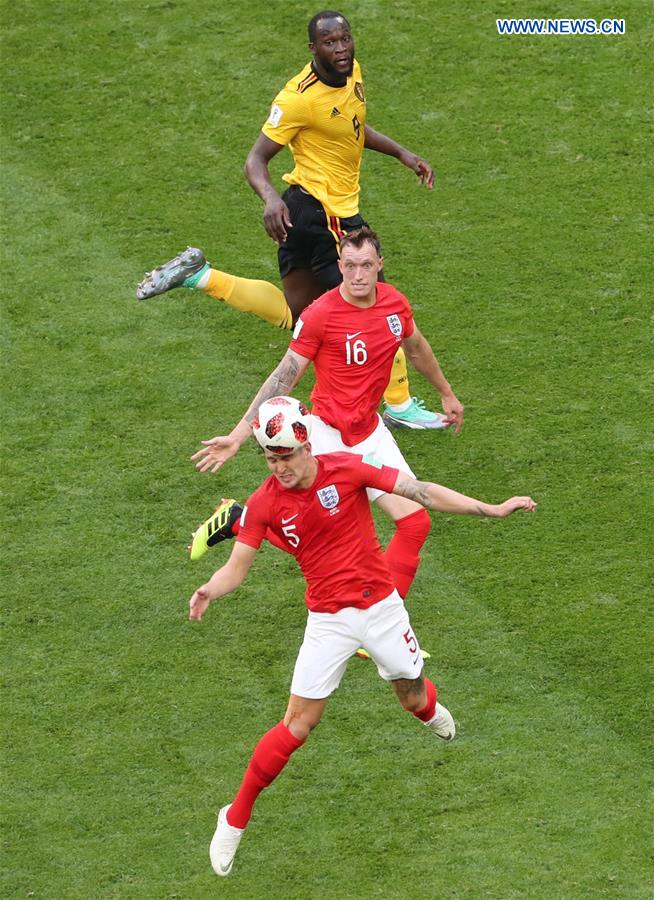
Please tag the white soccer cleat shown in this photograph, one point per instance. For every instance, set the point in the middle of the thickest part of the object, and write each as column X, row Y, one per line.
column 224, row 844
column 442, row 724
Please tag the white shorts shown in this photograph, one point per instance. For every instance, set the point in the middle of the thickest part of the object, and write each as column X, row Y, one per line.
column 325, row 439
column 330, row 639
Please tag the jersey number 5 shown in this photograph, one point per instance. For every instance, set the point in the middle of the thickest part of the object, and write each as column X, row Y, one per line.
column 355, row 352
column 291, row 535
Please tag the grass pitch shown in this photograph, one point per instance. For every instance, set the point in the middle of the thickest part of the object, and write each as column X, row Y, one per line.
column 125, row 127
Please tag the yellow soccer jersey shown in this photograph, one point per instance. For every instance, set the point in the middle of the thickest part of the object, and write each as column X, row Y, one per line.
column 324, row 128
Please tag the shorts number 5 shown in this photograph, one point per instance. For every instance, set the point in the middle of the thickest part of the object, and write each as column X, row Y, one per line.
column 411, row 641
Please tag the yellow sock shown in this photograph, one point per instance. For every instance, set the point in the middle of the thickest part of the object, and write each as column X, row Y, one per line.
column 398, row 387
column 261, row 298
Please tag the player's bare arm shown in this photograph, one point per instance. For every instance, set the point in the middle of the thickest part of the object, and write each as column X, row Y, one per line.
column 422, row 358
column 281, row 381
column 276, row 217
column 443, row 499
column 223, row 581
column 375, row 140
column 216, row 451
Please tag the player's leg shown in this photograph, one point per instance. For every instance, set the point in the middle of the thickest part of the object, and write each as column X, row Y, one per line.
column 412, row 521
column 269, row 758
column 412, row 524
column 419, row 697
column 300, row 289
column 190, row 269
column 394, row 647
column 272, row 753
column 260, row 298
column 329, row 641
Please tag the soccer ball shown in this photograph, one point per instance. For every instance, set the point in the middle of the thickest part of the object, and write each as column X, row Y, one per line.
column 282, row 425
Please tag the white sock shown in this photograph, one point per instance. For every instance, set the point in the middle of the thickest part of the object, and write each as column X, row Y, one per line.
column 203, row 281
column 400, row 407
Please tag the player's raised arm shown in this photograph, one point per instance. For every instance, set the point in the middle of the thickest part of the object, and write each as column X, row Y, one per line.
column 276, row 217
column 375, row 140
column 216, row 451
column 422, row 359
column 443, row 499
column 223, row 581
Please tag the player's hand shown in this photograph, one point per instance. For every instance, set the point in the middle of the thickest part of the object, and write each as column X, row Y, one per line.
column 197, row 605
column 453, row 410
column 513, row 504
column 277, row 219
column 214, row 453
column 421, row 167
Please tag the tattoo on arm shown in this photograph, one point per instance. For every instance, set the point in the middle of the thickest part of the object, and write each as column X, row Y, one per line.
column 281, row 381
column 414, row 490
column 419, row 492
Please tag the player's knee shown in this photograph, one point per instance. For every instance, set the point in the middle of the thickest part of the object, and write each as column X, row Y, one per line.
column 415, row 527
column 302, row 722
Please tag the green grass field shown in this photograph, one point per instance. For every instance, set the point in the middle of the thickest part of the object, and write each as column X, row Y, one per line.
column 125, row 727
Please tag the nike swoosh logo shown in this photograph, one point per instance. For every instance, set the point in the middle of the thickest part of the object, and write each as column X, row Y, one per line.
column 415, row 661
column 350, row 336
column 290, row 519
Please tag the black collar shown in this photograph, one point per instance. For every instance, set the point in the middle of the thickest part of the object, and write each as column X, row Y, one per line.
column 326, row 81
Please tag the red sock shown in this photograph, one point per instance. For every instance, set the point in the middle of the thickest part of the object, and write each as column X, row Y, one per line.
column 269, row 758
column 274, row 539
column 403, row 552
column 429, row 710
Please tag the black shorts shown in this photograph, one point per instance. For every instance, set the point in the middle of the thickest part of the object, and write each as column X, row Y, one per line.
column 312, row 242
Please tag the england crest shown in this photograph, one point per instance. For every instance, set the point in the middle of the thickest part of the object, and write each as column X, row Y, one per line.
column 328, row 496
column 395, row 325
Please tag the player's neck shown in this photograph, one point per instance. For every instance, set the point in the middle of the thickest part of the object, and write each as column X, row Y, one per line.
column 360, row 302
column 329, row 78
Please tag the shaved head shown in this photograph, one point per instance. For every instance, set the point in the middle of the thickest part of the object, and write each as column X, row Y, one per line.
column 325, row 14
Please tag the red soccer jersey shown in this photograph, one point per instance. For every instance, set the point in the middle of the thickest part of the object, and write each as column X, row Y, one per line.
column 352, row 351
column 329, row 529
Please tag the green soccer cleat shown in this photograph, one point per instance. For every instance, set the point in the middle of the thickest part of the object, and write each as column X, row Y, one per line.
column 184, row 270
column 416, row 416
column 217, row 528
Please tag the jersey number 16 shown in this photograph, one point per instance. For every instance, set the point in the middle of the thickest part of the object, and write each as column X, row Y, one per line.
column 355, row 352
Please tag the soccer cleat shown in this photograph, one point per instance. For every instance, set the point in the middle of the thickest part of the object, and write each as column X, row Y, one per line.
column 416, row 416
column 183, row 270
column 442, row 724
column 224, row 844
column 217, row 528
